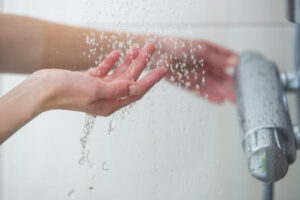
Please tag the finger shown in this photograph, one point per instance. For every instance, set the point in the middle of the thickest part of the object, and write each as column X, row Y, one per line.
column 218, row 56
column 136, row 68
column 220, row 49
column 133, row 53
column 209, row 95
column 108, row 63
column 127, row 61
column 108, row 106
column 220, row 88
column 223, row 77
column 218, row 60
column 117, row 89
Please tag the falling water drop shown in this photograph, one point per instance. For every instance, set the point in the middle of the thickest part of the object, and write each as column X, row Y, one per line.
column 110, row 127
column 88, row 127
column 91, row 189
column 71, row 194
column 104, row 166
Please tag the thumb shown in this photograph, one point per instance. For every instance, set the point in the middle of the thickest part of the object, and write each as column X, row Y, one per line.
column 121, row 88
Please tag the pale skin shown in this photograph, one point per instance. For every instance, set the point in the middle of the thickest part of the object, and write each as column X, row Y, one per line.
column 29, row 45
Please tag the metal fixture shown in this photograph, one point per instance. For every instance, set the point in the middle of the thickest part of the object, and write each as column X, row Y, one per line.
column 268, row 137
column 267, row 133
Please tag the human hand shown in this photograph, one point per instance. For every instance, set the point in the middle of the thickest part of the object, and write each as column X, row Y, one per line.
column 198, row 66
column 95, row 91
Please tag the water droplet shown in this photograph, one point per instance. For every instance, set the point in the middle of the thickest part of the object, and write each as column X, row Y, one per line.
column 88, row 127
column 110, row 126
column 91, row 189
column 104, row 167
column 71, row 194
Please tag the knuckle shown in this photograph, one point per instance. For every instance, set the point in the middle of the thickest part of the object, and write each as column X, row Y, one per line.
column 123, row 90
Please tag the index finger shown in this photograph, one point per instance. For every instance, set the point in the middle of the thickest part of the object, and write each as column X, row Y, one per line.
column 111, row 105
column 136, row 68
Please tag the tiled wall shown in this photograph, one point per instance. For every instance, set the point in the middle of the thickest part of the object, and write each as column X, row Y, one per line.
column 171, row 145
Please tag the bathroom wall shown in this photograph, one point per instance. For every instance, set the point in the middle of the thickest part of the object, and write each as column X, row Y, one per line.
column 171, row 144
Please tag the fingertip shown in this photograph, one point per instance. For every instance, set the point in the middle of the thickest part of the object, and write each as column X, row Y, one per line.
column 134, row 52
column 150, row 48
column 115, row 53
column 161, row 72
column 233, row 61
column 215, row 99
column 210, row 97
column 162, row 69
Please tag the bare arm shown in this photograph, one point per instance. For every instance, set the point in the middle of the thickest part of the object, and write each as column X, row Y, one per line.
column 28, row 44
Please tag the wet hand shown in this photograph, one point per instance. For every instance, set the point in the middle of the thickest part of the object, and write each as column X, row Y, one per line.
column 95, row 91
column 199, row 66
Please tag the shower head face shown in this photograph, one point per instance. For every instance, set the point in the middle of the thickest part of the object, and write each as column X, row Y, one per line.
column 266, row 129
column 293, row 10
column 267, row 160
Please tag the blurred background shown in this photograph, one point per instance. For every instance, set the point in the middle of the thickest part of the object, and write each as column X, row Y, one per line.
column 171, row 144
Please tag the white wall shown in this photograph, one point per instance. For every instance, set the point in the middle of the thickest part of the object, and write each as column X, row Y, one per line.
column 171, row 145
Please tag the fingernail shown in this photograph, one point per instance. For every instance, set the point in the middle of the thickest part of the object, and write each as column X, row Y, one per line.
column 115, row 53
column 134, row 90
column 134, row 52
column 150, row 48
column 165, row 69
column 232, row 61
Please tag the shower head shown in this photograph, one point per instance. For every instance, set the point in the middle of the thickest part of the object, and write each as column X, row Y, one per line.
column 293, row 10
column 266, row 128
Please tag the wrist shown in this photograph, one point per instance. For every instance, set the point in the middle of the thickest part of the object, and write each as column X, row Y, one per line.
column 25, row 101
column 43, row 90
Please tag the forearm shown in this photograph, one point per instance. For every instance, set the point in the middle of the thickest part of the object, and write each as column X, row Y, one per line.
column 20, row 105
column 28, row 44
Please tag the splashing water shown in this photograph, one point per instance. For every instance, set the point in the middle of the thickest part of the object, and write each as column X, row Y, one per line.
column 110, row 126
column 87, row 129
column 178, row 59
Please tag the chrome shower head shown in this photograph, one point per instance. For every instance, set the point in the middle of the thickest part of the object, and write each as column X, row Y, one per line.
column 266, row 128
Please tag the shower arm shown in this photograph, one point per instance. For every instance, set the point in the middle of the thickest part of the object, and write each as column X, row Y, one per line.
column 291, row 83
column 297, row 136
